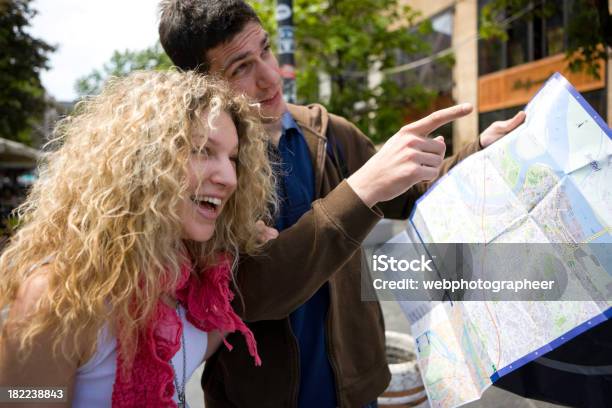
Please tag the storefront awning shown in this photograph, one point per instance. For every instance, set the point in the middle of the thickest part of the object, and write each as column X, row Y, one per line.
column 14, row 155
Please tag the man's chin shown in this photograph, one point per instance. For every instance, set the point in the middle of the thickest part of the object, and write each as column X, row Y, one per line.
column 273, row 108
column 272, row 114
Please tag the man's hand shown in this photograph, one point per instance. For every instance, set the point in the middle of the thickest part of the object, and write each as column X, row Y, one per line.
column 264, row 232
column 407, row 158
column 500, row 128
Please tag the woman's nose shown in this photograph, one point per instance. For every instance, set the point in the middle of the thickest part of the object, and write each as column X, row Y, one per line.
column 224, row 173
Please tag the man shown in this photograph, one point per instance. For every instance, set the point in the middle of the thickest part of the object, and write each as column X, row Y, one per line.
column 321, row 346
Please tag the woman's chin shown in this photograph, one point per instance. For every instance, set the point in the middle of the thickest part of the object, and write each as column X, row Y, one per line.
column 200, row 234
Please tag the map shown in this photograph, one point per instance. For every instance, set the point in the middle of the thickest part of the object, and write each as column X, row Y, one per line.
column 547, row 182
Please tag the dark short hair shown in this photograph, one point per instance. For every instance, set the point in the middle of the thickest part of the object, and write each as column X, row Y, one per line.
column 188, row 29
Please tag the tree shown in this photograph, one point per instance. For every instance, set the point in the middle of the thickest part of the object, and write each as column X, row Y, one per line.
column 121, row 64
column 342, row 40
column 22, row 96
column 589, row 29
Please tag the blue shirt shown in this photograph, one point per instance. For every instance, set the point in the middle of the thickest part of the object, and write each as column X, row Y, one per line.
column 308, row 322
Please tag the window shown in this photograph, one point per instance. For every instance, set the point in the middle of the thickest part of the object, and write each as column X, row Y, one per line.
column 517, row 46
column 485, row 119
column 490, row 56
column 528, row 40
column 554, row 31
column 597, row 99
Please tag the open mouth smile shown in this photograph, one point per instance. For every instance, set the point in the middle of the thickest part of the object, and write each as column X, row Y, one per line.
column 207, row 206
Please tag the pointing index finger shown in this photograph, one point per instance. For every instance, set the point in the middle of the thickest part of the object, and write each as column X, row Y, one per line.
column 433, row 121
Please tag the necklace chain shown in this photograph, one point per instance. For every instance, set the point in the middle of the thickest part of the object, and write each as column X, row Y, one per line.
column 180, row 389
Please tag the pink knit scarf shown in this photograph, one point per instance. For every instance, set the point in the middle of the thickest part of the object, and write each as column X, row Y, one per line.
column 150, row 382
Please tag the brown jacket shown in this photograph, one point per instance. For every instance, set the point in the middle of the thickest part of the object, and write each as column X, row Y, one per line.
column 323, row 246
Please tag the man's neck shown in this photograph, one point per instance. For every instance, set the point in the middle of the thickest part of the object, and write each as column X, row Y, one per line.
column 274, row 131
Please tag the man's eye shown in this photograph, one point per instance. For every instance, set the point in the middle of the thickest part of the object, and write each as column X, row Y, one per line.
column 240, row 69
column 266, row 49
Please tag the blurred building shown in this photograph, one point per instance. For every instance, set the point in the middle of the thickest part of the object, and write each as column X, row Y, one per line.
column 18, row 162
column 56, row 110
column 497, row 77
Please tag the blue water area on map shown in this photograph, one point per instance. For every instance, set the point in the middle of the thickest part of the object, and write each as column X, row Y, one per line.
column 580, row 210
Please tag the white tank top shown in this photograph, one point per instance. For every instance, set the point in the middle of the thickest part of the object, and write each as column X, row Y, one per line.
column 93, row 387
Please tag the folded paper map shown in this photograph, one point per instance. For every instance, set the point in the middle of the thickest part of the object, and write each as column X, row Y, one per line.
column 547, row 182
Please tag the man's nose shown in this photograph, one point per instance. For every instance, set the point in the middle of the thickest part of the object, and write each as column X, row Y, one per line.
column 267, row 74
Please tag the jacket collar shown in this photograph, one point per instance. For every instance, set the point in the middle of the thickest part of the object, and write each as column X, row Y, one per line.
column 288, row 122
column 313, row 120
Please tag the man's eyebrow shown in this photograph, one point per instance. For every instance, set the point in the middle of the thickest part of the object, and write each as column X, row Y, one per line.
column 241, row 56
column 235, row 59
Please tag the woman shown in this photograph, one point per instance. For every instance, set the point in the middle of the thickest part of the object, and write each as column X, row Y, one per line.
column 116, row 285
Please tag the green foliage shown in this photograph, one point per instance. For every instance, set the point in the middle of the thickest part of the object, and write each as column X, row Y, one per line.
column 343, row 39
column 121, row 64
column 495, row 15
column 12, row 223
column 8, row 227
column 588, row 30
column 22, row 96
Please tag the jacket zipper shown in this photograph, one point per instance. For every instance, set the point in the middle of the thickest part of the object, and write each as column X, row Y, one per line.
column 330, row 355
column 296, row 353
column 322, row 155
column 321, row 151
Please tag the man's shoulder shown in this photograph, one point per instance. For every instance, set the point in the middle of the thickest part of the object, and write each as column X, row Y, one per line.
column 310, row 109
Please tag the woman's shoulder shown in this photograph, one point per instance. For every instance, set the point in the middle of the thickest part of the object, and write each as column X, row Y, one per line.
column 33, row 288
column 29, row 301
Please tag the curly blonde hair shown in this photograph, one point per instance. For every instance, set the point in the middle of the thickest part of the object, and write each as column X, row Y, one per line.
column 105, row 207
